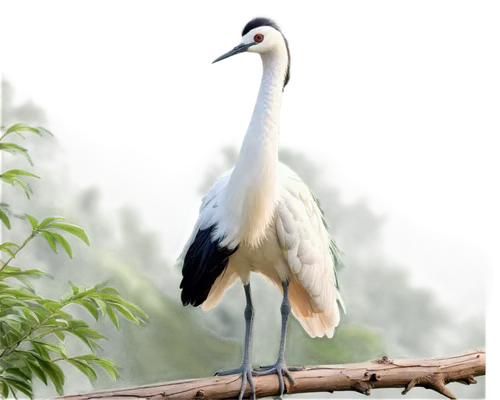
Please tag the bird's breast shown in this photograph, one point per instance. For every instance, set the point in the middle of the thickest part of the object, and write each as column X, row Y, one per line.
column 265, row 258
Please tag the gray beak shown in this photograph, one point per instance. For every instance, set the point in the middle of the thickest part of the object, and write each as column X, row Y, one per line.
column 241, row 48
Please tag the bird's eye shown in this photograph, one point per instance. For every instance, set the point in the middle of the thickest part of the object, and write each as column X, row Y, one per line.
column 258, row 38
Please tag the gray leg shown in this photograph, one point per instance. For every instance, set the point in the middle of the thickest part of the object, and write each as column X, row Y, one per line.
column 280, row 368
column 246, row 368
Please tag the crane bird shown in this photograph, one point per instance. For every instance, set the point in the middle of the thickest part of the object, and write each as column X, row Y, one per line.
column 260, row 217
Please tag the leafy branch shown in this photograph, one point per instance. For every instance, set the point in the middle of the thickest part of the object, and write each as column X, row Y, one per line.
column 33, row 329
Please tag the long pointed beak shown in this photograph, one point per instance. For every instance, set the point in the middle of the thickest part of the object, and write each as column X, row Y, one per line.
column 241, row 48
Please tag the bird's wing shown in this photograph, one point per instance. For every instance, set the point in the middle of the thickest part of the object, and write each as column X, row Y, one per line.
column 202, row 259
column 310, row 252
column 206, row 214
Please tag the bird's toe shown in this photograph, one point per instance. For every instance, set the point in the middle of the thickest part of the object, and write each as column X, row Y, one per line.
column 234, row 371
column 246, row 374
column 281, row 370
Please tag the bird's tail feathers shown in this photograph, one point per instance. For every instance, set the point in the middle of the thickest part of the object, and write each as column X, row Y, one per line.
column 316, row 324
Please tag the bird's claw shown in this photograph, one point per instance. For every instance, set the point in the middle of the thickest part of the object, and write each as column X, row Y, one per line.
column 280, row 369
column 262, row 368
column 246, row 373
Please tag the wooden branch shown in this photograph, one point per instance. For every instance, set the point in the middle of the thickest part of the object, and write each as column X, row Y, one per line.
column 432, row 373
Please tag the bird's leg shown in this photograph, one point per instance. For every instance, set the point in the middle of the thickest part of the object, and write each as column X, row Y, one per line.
column 280, row 368
column 246, row 368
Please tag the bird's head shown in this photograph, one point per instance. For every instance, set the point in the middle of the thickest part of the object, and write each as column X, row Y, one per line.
column 263, row 36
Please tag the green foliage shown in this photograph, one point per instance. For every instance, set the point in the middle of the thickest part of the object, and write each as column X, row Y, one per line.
column 33, row 329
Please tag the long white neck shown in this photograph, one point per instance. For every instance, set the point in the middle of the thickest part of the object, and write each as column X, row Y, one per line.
column 251, row 193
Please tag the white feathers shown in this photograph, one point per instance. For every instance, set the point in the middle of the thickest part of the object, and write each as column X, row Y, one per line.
column 207, row 216
column 262, row 209
column 295, row 247
column 305, row 243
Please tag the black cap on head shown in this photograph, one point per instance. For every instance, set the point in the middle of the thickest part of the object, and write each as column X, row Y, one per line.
column 256, row 22
column 261, row 21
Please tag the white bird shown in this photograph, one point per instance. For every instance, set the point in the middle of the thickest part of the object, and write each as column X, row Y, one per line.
column 260, row 217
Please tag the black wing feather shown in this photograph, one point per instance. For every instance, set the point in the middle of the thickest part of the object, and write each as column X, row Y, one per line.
column 205, row 260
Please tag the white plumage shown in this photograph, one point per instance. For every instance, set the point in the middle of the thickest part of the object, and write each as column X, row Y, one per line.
column 295, row 246
column 260, row 217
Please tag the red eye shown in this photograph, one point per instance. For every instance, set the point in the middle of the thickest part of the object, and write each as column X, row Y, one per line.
column 258, row 38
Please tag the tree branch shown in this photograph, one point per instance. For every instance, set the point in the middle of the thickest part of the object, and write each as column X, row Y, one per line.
column 432, row 373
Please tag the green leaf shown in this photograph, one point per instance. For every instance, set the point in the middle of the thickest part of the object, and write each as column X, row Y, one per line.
column 94, row 345
column 91, row 343
column 79, row 367
column 55, row 374
column 111, row 298
column 10, row 244
column 64, row 243
column 41, row 350
column 50, row 347
column 19, row 385
column 73, row 229
column 91, row 370
column 16, row 172
column 126, row 313
column 9, row 252
column 132, row 307
column 61, row 323
column 84, row 367
column 45, row 130
column 112, row 316
column 32, row 364
column 52, row 305
column 5, row 389
column 17, row 325
column 109, row 366
column 22, row 127
column 67, row 298
column 8, row 151
column 8, row 181
column 82, row 293
column 48, row 220
column 28, row 284
column 19, row 291
column 60, row 334
column 118, row 300
column 50, row 239
column 102, row 306
column 74, row 288
column 18, row 372
column 100, row 286
column 19, row 311
column 30, row 315
column 5, row 219
column 14, row 272
column 42, row 313
column 23, row 185
column 63, row 350
column 14, row 149
column 90, row 306
column 89, row 332
column 110, row 290
column 33, row 221
column 77, row 324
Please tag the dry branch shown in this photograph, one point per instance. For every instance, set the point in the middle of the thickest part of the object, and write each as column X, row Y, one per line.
column 432, row 373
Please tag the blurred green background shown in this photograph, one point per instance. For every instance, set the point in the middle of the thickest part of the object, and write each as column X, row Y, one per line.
column 386, row 314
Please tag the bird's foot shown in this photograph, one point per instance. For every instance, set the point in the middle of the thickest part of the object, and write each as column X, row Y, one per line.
column 279, row 368
column 246, row 373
